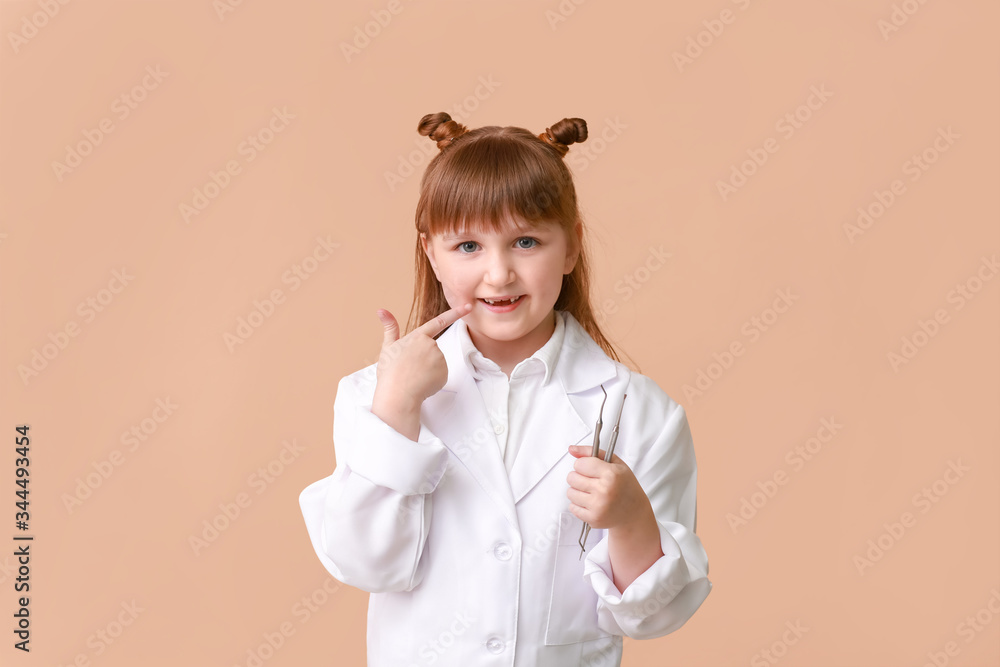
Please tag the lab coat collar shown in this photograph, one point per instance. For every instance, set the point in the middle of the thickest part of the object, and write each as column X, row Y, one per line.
column 458, row 416
column 547, row 355
column 581, row 363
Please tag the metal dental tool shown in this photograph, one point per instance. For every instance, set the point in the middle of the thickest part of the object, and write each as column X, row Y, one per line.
column 607, row 455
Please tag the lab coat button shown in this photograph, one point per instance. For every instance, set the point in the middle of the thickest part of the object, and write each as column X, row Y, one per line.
column 498, row 429
column 494, row 645
column 502, row 551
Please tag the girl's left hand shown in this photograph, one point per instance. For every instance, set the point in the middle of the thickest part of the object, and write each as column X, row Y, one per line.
column 605, row 494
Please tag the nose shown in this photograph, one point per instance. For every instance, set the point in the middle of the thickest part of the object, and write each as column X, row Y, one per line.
column 499, row 270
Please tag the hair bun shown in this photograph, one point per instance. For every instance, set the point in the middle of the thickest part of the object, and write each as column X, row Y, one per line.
column 565, row 132
column 439, row 127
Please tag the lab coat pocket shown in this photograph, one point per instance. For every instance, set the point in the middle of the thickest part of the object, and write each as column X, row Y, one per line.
column 572, row 601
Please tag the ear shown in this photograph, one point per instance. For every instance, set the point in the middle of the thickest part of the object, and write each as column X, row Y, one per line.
column 429, row 251
column 574, row 247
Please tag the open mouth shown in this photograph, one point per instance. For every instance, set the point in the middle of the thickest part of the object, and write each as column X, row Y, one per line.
column 503, row 305
column 502, row 302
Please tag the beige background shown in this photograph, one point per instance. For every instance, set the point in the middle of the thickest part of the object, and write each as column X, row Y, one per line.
column 671, row 133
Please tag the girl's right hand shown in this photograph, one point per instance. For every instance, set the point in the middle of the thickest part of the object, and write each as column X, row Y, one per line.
column 412, row 368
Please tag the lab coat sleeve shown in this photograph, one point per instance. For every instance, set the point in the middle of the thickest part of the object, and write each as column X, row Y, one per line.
column 368, row 521
column 667, row 594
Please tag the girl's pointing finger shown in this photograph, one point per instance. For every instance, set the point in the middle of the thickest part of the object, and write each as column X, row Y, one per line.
column 434, row 326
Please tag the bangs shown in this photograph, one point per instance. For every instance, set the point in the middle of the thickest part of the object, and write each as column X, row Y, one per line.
column 492, row 186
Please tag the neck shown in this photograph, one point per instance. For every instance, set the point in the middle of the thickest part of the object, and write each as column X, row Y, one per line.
column 508, row 354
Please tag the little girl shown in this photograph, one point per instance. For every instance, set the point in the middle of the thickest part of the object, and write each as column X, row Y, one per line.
column 464, row 461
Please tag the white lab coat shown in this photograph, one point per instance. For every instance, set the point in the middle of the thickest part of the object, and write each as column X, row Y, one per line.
column 467, row 566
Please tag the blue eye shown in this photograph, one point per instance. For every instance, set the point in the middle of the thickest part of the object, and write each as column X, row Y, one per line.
column 534, row 242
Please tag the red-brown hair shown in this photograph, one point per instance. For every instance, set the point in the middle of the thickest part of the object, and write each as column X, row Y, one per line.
column 488, row 178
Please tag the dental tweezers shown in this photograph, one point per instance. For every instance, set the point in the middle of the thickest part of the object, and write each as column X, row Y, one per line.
column 597, row 450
